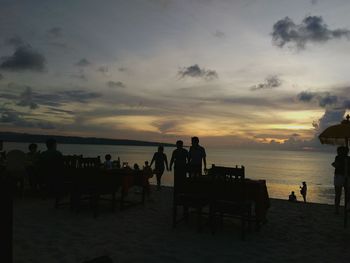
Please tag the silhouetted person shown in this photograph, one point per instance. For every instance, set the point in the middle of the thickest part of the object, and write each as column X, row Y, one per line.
column 341, row 160
column 196, row 155
column 180, row 160
column 136, row 167
column 292, row 197
column 51, row 165
column 303, row 191
column 161, row 161
column 33, row 157
column 108, row 164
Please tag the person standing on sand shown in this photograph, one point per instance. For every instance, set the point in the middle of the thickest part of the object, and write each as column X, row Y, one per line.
column 303, row 191
column 196, row 155
column 340, row 162
column 160, row 162
column 179, row 158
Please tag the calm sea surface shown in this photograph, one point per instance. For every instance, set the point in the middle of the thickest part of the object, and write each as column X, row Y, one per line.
column 283, row 170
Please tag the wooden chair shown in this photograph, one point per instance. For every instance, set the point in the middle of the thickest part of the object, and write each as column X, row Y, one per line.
column 229, row 196
column 89, row 162
column 194, row 193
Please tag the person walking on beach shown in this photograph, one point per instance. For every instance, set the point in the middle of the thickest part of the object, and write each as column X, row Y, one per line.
column 196, row 155
column 160, row 162
column 303, row 191
column 340, row 162
column 179, row 158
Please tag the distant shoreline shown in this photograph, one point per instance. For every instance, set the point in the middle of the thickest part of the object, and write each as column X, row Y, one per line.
column 37, row 138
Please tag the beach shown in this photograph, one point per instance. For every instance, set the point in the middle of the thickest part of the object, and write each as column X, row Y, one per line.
column 294, row 232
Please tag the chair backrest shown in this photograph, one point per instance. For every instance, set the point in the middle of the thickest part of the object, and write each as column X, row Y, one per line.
column 71, row 161
column 228, row 183
column 228, row 173
column 89, row 162
column 16, row 161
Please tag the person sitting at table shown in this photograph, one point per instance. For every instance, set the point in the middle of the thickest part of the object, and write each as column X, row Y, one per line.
column 51, row 166
column 108, row 164
column 159, row 158
column 179, row 158
column 292, row 197
column 196, row 156
column 32, row 161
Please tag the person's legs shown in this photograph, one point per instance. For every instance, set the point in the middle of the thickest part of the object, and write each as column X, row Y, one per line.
column 338, row 190
column 159, row 177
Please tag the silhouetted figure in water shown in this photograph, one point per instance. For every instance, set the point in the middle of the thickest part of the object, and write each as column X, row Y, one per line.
column 51, row 165
column 108, row 164
column 196, row 155
column 303, row 191
column 179, row 158
column 341, row 160
column 292, row 197
column 161, row 161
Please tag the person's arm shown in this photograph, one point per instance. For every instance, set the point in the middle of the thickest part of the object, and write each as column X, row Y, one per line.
column 153, row 159
column 204, row 159
column 166, row 161
column 172, row 160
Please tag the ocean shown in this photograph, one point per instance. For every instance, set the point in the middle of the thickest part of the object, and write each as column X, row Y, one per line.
column 284, row 171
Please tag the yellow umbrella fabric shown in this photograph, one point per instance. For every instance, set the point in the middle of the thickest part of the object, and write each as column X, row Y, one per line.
column 337, row 134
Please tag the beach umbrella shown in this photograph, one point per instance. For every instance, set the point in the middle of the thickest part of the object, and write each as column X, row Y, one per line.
column 339, row 135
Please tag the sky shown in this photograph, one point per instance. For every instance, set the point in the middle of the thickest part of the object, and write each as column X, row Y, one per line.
column 249, row 73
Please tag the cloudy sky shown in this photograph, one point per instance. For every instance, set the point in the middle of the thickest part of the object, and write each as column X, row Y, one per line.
column 246, row 72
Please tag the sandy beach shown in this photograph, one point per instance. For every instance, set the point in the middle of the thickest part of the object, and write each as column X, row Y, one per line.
column 295, row 232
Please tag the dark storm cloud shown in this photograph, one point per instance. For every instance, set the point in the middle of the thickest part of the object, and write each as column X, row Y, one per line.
column 18, row 119
column 24, row 58
column 314, row 2
column 32, row 99
column 195, row 71
column 330, row 117
column 55, row 32
column 311, row 29
column 14, row 41
column 115, row 84
column 269, row 83
column 83, row 63
column 324, row 99
column 219, row 34
column 165, row 126
column 103, row 69
column 26, row 99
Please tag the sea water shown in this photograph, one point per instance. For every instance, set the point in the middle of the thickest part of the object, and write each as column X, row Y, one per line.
column 284, row 171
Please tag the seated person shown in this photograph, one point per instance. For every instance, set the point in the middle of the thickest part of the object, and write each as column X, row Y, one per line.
column 108, row 164
column 292, row 197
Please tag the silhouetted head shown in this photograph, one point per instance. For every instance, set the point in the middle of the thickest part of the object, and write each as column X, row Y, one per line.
column 195, row 141
column 160, row 148
column 136, row 166
column 108, row 157
column 51, row 144
column 33, row 147
column 146, row 163
column 293, row 193
column 179, row 144
column 342, row 151
column 304, row 183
